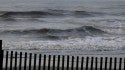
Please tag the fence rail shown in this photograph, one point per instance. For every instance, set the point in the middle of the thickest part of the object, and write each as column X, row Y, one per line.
column 13, row 60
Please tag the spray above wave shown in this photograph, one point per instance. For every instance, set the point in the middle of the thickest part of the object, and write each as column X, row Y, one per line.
column 39, row 14
column 55, row 33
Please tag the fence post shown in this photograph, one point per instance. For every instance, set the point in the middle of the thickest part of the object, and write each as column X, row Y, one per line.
column 0, row 45
column 82, row 63
column 67, row 62
column 87, row 63
column 91, row 68
column 77, row 63
column 1, row 56
column 20, row 61
column 106, row 59
column 54, row 60
column 72, row 66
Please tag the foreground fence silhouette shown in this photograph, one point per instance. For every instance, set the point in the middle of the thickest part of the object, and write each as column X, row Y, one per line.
column 13, row 60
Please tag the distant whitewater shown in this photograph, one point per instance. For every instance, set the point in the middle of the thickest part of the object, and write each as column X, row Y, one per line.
column 69, row 27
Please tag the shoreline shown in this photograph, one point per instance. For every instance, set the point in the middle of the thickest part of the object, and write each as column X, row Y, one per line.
column 75, row 53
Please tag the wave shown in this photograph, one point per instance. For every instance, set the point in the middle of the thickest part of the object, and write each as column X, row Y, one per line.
column 55, row 33
column 99, row 44
column 39, row 14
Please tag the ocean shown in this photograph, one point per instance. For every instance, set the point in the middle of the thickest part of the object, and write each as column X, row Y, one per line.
column 73, row 27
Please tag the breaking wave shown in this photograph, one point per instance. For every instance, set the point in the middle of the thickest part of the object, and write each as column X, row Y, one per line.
column 81, row 31
column 39, row 14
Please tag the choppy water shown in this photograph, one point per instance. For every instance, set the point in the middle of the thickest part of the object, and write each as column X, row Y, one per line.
column 70, row 26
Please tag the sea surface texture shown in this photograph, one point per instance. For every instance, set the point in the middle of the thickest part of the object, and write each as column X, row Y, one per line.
column 74, row 27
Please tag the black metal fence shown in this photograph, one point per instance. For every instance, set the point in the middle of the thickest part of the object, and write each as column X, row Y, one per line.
column 13, row 60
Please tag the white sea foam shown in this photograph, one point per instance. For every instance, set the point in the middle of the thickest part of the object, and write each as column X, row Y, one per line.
column 87, row 43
